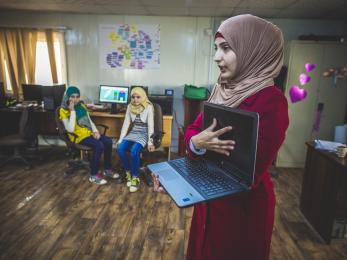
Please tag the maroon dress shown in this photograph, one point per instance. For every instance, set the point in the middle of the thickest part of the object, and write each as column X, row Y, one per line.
column 240, row 226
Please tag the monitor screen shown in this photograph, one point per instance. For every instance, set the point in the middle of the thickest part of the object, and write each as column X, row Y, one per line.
column 114, row 94
column 59, row 91
column 32, row 92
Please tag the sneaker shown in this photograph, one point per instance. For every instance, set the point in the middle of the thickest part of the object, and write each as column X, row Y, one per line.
column 128, row 178
column 111, row 174
column 97, row 179
column 135, row 184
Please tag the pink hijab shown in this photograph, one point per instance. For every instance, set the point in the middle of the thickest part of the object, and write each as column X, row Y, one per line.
column 258, row 45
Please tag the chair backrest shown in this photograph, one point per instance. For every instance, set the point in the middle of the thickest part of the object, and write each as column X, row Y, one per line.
column 63, row 134
column 27, row 124
column 157, row 136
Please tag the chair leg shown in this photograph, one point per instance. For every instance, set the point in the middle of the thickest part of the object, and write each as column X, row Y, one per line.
column 147, row 175
column 76, row 165
column 16, row 157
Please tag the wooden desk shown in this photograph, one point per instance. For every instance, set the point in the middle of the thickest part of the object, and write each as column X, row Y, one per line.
column 324, row 190
column 115, row 122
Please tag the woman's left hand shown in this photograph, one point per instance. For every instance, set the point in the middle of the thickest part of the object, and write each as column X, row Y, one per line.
column 96, row 135
column 151, row 148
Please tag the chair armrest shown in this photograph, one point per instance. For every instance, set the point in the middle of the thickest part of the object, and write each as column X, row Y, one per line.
column 74, row 136
column 63, row 132
column 105, row 127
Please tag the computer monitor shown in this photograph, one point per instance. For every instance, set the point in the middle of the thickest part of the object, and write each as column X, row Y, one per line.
column 32, row 92
column 52, row 96
column 58, row 92
column 115, row 95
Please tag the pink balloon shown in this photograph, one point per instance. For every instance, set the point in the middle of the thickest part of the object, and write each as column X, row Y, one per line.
column 309, row 67
column 304, row 79
column 297, row 94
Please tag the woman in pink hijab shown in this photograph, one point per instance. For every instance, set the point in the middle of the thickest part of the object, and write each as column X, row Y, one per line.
column 249, row 54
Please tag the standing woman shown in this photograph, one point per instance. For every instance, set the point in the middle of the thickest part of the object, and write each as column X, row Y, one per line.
column 140, row 113
column 76, row 119
column 249, row 54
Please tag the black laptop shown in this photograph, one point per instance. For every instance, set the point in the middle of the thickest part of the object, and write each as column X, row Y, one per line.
column 216, row 175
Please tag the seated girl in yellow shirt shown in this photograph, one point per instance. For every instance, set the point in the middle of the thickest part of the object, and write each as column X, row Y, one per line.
column 74, row 115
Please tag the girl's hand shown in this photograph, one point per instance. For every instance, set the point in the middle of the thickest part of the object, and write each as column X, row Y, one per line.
column 151, row 148
column 208, row 139
column 96, row 135
column 72, row 106
column 156, row 184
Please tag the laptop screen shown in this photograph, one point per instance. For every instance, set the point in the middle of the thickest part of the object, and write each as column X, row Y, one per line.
column 245, row 133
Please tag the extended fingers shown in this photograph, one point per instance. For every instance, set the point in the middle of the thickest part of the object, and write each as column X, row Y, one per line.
column 221, row 151
column 222, row 131
column 218, row 142
column 224, row 147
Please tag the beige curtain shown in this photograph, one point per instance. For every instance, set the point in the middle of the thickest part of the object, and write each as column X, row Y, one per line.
column 3, row 58
column 29, row 51
column 18, row 51
column 51, row 53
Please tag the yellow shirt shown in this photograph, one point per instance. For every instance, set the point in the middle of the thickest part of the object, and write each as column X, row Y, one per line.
column 81, row 132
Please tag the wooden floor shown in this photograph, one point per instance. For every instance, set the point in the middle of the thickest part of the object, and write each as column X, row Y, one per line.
column 47, row 216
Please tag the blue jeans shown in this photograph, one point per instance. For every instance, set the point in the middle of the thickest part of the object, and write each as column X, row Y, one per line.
column 135, row 149
column 104, row 144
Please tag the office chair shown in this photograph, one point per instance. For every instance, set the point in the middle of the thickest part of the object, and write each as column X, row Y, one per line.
column 23, row 138
column 76, row 151
column 157, row 139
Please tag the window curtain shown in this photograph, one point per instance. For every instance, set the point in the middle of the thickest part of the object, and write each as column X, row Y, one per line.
column 18, row 55
column 51, row 53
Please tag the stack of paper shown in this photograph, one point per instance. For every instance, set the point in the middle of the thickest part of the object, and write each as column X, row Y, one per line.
column 327, row 145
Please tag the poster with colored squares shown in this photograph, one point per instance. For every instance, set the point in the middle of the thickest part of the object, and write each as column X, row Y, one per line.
column 129, row 46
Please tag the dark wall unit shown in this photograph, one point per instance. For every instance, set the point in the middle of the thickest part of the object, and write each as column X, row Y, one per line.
column 324, row 192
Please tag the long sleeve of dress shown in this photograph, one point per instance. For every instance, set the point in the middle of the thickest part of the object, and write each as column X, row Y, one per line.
column 69, row 123
column 192, row 130
column 125, row 126
column 273, row 123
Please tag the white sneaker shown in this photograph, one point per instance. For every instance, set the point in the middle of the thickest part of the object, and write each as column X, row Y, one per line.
column 135, row 184
column 97, row 179
column 111, row 174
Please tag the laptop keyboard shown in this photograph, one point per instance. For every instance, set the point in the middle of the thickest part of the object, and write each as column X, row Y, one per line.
column 209, row 182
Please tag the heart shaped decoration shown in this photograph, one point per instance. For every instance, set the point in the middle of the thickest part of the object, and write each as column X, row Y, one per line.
column 297, row 94
column 304, row 79
column 309, row 67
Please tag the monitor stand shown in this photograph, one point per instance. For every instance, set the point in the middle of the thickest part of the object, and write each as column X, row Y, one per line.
column 114, row 109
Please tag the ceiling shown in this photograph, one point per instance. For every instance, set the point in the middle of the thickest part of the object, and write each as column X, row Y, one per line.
column 295, row 9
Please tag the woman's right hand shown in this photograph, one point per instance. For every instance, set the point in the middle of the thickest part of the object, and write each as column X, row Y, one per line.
column 209, row 139
column 72, row 105
column 156, row 184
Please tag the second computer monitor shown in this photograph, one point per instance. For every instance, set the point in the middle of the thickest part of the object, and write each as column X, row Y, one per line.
column 113, row 94
column 32, row 92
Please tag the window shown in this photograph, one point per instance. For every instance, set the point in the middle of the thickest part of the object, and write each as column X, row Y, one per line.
column 43, row 74
column 43, row 69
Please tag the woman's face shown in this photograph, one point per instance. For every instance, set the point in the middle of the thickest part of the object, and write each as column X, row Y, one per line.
column 75, row 98
column 136, row 99
column 225, row 58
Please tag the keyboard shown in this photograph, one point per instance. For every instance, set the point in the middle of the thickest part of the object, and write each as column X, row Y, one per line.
column 204, row 178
